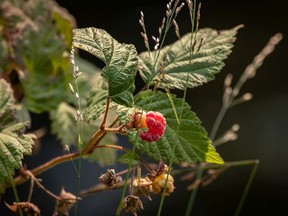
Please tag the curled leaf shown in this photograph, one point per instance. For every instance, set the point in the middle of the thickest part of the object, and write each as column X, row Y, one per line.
column 65, row 204
column 27, row 208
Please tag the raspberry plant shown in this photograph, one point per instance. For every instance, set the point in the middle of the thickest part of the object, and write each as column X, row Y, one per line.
column 88, row 106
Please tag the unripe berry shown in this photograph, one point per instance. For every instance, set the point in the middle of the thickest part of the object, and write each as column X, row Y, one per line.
column 159, row 184
column 140, row 120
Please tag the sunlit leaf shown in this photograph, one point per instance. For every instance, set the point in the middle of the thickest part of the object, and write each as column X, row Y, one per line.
column 181, row 67
column 120, row 60
column 14, row 144
column 7, row 106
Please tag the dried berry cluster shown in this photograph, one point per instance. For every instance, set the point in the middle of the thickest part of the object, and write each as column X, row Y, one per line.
column 159, row 182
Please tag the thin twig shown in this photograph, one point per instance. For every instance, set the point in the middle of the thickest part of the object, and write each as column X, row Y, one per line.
column 94, row 141
column 32, row 181
column 30, row 174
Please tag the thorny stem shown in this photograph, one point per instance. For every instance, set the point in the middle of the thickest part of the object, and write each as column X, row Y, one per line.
column 46, row 166
column 94, row 141
column 113, row 147
column 101, row 187
column 102, row 127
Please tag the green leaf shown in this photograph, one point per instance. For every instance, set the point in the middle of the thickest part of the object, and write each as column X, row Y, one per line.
column 3, row 52
column 120, row 60
column 187, row 142
column 46, row 82
column 103, row 156
column 129, row 158
column 7, row 106
column 96, row 104
column 13, row 146
column 64, row 126
column 40, row 51
column 63, row 123
column 63, row 21
column 181, row 68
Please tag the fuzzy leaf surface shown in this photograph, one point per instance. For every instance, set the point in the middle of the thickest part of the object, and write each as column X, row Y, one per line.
column 190, row 139
column 120, row 60
column 183, row 68
column 13, row 146
column 7, row 106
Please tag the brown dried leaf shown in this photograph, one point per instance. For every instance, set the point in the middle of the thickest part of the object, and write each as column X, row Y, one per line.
column 67, row 201
column 27, row 208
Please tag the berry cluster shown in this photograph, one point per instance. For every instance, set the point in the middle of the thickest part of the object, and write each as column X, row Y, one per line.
column 155, row 124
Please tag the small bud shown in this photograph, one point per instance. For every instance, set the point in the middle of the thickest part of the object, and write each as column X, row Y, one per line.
column 77, row 96
column 247, row 96
column 71, row 88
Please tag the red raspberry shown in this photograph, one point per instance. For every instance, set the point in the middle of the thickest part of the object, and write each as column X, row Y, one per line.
column 156, row 125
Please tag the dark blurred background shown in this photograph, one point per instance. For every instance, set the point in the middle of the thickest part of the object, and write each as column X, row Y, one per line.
column 263, row 120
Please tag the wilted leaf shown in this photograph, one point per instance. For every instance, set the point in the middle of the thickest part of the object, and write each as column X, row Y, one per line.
column 129, row 158
column 67, row 201
column 26, row 207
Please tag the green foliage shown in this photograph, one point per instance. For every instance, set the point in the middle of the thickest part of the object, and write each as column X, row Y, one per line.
column 64, row 127
column 6, row 104
column 13, row 142
column 184, row 142
column 129, row 158
column 120, row 60
column 186, row 66
column 13, row 145
column 63, row 123
column 3, row 53
column 36, row 50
